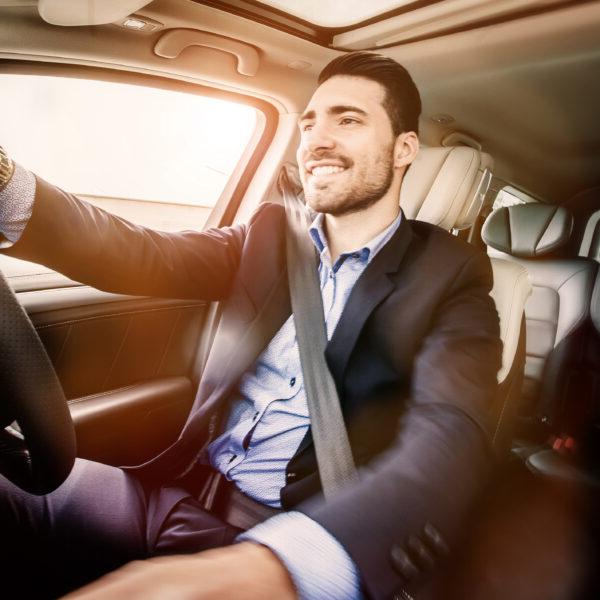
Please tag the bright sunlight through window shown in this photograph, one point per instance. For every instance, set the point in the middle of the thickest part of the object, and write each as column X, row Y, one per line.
column 120, row 141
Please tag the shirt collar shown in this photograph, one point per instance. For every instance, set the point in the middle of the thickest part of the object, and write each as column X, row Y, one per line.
column 364, row 254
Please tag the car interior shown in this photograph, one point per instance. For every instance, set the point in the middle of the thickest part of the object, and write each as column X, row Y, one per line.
column 510, row 162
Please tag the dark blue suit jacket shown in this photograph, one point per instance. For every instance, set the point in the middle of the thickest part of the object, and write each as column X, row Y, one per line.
column 414, row 357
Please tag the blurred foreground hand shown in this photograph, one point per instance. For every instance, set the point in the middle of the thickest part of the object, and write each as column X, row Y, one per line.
column 244, row 571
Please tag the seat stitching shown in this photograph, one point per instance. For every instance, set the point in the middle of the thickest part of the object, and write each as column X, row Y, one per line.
column 119, row 314
column 100, row 394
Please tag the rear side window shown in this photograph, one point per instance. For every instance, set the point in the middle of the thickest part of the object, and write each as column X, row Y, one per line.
column 510, row 196
column 156, row 157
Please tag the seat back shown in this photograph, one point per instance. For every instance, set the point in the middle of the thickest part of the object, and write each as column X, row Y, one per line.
column 580, row 463
column 532, row 236
column 446, row 186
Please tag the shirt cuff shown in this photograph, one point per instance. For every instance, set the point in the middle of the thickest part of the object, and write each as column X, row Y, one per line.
column 16, row 204
column 318, row 564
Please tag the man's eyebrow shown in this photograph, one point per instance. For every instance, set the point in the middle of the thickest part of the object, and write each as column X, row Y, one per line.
column 342, row 108
column 333, row 110
column 309, row 114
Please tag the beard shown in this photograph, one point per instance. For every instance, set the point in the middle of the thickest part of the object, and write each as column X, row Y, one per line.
column 367, row 187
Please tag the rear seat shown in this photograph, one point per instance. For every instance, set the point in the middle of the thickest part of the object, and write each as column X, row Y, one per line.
column 557, row 313
column 582, row 465
column 537, row 526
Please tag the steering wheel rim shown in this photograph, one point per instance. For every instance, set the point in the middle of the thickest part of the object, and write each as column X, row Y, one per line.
column 31, row 394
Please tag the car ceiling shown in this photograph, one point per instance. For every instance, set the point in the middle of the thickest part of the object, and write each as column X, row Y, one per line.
column 519, row 78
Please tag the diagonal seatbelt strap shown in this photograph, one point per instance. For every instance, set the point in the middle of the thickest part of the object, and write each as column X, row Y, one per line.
column 332, row 447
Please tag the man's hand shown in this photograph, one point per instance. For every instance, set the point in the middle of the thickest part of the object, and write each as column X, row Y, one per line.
column 246, row 571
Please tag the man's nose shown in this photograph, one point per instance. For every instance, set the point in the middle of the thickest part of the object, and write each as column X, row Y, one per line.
column 319, row 138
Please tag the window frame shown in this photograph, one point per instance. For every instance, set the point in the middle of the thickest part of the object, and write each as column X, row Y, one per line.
column 226, row 207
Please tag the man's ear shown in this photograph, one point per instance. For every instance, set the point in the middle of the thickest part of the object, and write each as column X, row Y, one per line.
column 405, row 149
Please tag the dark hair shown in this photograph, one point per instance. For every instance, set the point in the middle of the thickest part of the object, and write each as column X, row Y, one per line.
column 402, row 101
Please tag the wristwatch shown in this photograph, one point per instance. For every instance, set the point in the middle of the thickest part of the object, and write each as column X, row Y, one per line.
column 7, row 168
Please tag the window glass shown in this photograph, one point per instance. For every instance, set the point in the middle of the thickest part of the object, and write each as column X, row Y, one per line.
column 509, row 196
column 160, row 158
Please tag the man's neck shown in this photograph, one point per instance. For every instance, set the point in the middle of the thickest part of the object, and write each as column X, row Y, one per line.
column 352, row 231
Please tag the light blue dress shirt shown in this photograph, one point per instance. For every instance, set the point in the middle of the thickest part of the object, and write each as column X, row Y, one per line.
column 269, row 418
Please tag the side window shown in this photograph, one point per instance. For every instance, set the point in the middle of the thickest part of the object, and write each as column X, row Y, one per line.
column 156, row 157
column 510, row 195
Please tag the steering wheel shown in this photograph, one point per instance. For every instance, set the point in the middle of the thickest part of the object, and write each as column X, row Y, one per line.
column 31, row 394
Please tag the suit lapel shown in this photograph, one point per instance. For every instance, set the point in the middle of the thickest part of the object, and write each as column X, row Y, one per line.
column 372, row 287
column 235, row 353
column 246, row 348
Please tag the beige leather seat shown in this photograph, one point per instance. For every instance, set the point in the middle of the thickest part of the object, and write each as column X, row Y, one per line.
column 446, row 186
column 557, row 314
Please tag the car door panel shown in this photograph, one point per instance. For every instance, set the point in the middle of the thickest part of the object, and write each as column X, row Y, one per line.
column 124, row 364
column 131, row 424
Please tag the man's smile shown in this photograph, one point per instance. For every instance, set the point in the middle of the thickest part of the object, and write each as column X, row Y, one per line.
column 325, row 167
column 326, row 170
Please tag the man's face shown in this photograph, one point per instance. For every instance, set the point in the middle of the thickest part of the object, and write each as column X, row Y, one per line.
column 346, row 152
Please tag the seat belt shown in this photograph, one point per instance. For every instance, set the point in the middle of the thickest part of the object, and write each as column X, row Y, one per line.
column 332, row 447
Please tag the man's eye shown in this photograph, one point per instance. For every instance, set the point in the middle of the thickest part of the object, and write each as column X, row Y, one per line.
column 348, row 121
column 306, row 127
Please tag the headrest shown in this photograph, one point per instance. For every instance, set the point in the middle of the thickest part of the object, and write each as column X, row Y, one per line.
column 446, row 185
column 528, row 230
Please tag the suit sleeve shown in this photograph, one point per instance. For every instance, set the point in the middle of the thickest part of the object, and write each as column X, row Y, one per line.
column 94, row 247
column 423, row 485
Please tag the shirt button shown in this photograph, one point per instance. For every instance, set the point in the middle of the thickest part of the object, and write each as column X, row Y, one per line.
column 331, row 275
column 233, row 457
column 292, row 382
column 402, row 563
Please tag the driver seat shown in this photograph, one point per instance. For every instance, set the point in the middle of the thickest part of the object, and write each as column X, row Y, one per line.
column 446, row 186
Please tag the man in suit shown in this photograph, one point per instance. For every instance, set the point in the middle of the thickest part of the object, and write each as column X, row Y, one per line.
column 413, row 348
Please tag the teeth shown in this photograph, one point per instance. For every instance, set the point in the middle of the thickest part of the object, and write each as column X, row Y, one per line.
column 326, row 170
